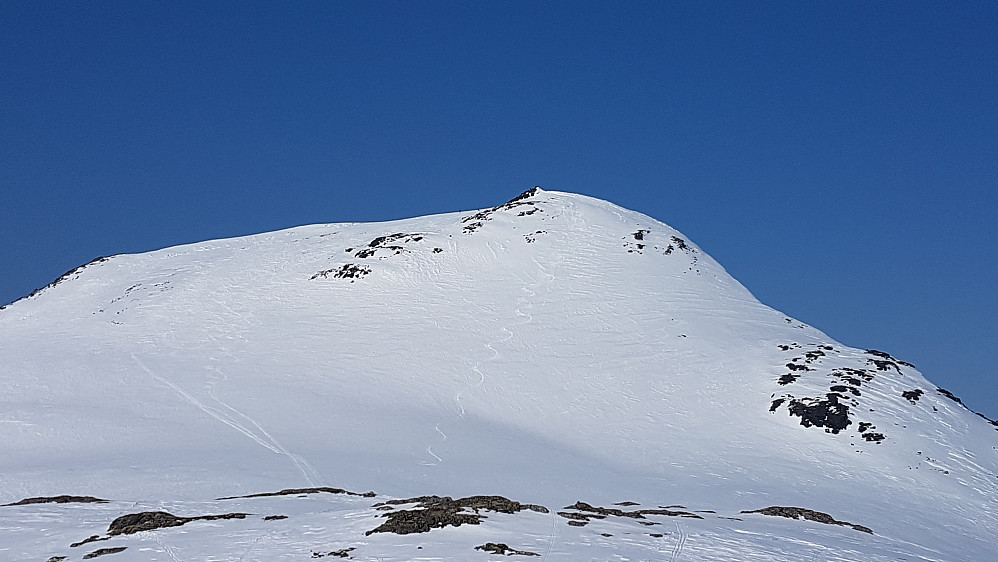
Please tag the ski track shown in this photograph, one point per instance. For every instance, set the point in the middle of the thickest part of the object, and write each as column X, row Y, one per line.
column 269, row 442
column 680, row 542
column 307, row 470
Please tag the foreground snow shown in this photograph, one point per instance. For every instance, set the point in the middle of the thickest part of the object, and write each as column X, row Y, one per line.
column 554, row 349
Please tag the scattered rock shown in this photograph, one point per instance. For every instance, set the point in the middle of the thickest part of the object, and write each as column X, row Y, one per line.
column 501, row 548
column 476, row 221
column 64, row 277
column 590, row 512
column 57, row 499
column 346, row 271
column 912, row 395
column 808, row 514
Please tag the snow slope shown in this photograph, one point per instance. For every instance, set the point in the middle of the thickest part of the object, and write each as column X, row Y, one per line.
column 553, row 349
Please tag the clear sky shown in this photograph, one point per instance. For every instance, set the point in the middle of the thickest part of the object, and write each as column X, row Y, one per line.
column 840, row 159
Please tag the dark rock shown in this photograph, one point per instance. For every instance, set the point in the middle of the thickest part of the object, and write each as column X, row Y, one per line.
column 404, row 522
column 57, row 499
column 885, row 365
column 501, row 548
column 103, row 551
column 810, row 356
column 275, row 517
column 580, row 516
column 950, row 395
column 342, row 553
column 808, row 514
column 346, row 271
column 300, row 491
column 525, row 195
column 144, row 521
column 841, row 388
column 912, row 395
column 54, row 558
column 590, row 511
column 65, row 277
column 435, row 512
column 828, row 412
column 987, row 419
column 149, row 520
column 88, row 540
column 476, row 221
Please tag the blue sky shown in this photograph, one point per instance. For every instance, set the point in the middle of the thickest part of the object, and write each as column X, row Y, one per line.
column 840, row 159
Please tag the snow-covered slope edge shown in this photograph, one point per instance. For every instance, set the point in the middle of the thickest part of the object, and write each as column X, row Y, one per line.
column 553, row 349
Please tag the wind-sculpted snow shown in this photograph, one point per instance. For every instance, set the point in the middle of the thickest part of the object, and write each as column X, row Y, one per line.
column 555, row 349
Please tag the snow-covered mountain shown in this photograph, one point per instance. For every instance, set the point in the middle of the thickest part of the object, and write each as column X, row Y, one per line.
column 625, row 396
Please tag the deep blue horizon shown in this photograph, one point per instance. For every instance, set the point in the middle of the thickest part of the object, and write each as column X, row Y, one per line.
column 840, row 160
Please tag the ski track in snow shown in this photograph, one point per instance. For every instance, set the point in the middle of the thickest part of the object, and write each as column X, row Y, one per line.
column 682, row 535
column 267, row 441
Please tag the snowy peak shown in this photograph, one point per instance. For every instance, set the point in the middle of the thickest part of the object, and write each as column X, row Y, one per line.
column 553, row 349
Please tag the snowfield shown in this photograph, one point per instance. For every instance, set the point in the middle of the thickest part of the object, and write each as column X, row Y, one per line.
column 557, row 352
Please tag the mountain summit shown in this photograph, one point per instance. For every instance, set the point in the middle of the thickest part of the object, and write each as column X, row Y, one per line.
column 557, row 349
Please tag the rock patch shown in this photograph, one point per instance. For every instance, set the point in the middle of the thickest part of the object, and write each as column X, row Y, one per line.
column 57, row 499
column 301, row 491
column 435, row 512
column 149, row 520
column 808, row 514
column 478, row 220
column 583, row 513
column 342, row 553
column 502, row 548
column 349, row 271
column 103, row 551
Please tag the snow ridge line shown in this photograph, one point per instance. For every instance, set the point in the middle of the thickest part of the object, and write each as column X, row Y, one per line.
column 272, row 446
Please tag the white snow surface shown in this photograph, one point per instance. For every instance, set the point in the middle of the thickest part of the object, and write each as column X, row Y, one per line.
column 554, row 349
